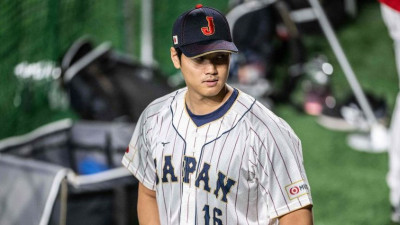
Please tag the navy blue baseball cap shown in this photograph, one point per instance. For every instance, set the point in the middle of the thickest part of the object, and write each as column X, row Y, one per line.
column 201, row 31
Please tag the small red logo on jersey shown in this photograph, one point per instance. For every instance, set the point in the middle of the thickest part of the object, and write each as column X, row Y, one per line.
column 127, row 150
column 210, row 29
column 294, row 190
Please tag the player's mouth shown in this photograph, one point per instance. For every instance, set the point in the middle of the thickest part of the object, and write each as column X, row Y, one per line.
column 211, row 82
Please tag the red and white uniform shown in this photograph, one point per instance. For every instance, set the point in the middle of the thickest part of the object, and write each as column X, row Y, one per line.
column 245, row 167
column 394, row 4
column 391, row 15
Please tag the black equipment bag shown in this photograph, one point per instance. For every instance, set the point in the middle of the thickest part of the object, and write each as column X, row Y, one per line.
column 106, row 85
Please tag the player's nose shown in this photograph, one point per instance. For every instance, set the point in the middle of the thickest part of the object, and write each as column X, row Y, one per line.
column 210, row 68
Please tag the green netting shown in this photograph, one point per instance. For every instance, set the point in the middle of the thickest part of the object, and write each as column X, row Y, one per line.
column 37, row 30
column 34, row 30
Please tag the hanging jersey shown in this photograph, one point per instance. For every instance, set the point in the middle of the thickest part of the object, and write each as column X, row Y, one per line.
column 244, row 168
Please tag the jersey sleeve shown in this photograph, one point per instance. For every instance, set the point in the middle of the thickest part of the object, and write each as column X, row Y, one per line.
column 138, row 156
column 280, row 170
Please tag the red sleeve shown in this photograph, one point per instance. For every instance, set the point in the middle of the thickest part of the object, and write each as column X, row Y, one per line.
column 394, row 4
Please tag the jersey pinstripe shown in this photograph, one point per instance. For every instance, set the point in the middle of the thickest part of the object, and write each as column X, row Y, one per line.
column 243, row 168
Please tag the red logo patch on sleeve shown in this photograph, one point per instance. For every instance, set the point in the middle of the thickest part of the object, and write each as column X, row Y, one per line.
column 297, row 189
column 127, row 149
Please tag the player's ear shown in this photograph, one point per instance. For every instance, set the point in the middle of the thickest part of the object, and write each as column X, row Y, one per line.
column 175, row 58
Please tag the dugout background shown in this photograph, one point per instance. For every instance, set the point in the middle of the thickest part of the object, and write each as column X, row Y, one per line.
column 35, row 30
column 344, row 182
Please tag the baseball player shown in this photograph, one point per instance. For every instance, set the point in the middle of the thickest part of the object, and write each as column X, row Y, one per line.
column 391, row 16
column 209, row 153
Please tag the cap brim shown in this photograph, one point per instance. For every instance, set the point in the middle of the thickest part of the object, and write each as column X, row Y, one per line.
column 203, row 48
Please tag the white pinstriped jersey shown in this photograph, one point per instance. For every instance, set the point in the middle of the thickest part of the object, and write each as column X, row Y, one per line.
column 243, row 168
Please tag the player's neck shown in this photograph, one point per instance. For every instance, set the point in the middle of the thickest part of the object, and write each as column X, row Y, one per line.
column 201, row 105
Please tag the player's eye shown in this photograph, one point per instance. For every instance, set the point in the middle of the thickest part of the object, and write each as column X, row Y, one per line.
column 199, row 59
column 221, row 58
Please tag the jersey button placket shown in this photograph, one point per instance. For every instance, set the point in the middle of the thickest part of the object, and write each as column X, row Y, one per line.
column 196, row 151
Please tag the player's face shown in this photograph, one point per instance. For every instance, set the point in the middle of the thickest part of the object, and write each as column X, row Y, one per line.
column 206, row 75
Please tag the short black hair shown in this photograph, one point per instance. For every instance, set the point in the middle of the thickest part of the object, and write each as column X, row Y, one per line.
column 179, row 52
